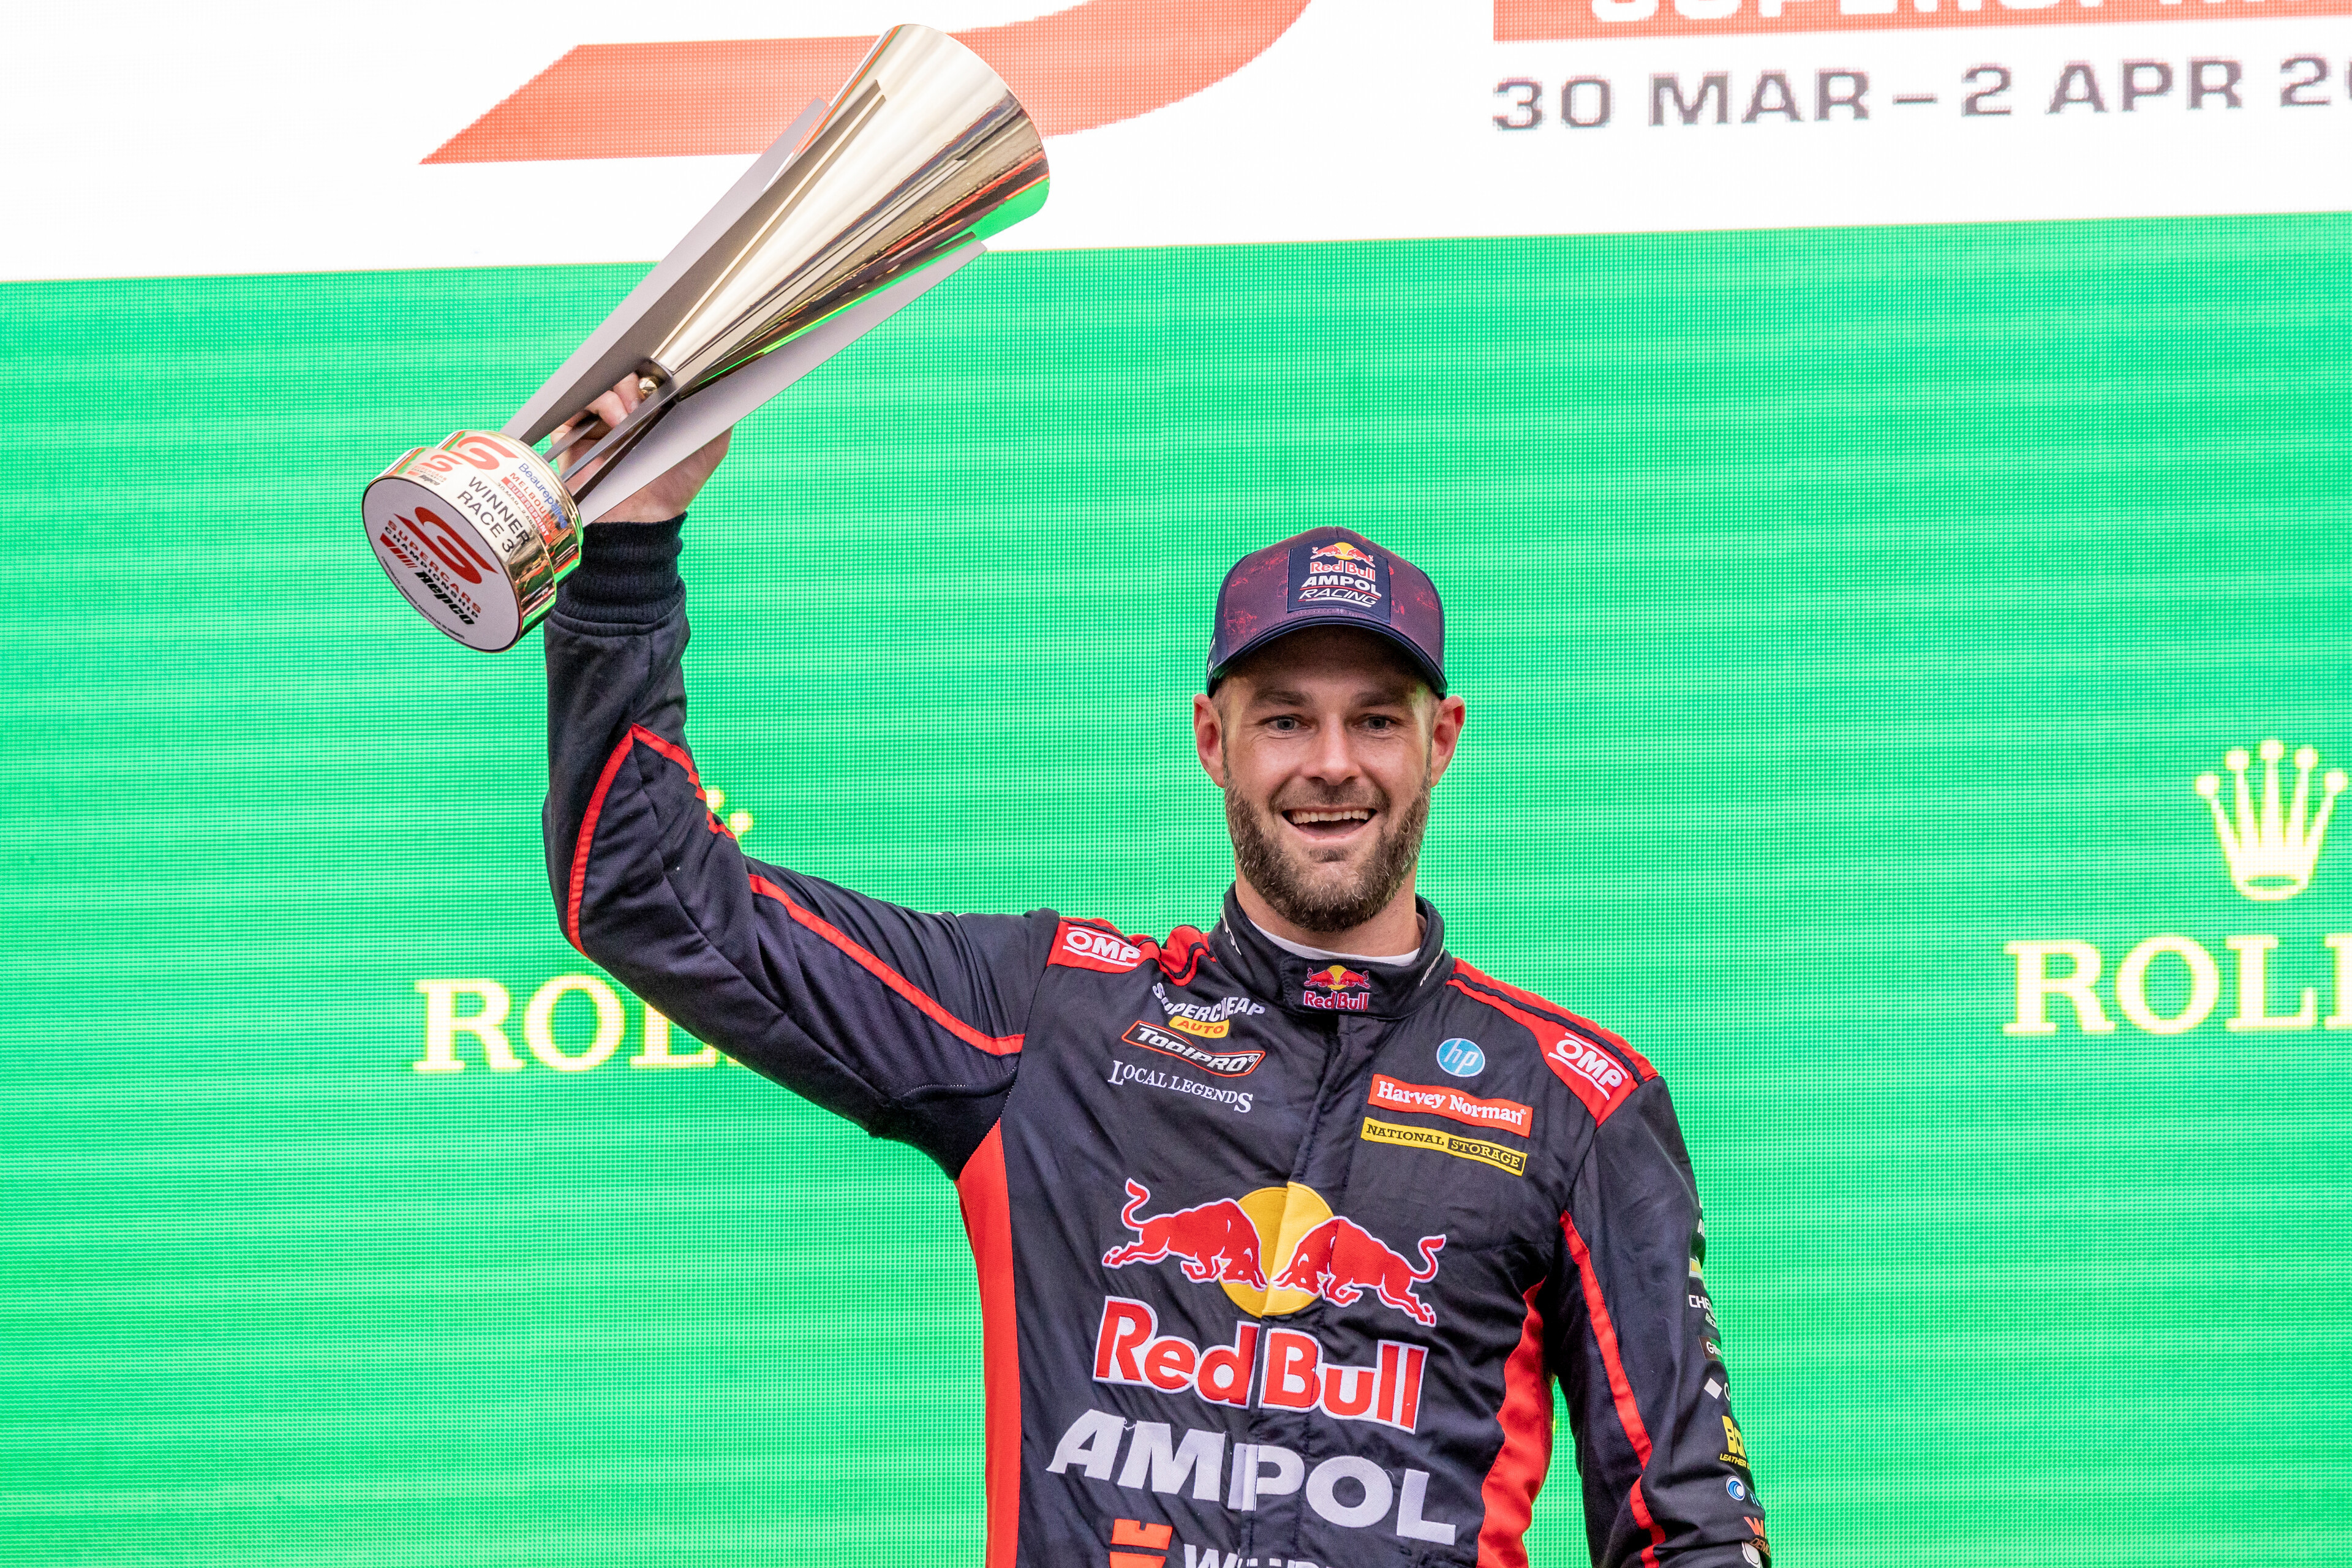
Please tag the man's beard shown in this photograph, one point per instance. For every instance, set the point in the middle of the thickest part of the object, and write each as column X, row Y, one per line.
column 1321, row 907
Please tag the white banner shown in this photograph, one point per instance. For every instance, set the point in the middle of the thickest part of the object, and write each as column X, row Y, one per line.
column 441, row 134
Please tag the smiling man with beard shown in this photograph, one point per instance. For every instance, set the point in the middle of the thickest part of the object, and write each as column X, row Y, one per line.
column 1285, row 1230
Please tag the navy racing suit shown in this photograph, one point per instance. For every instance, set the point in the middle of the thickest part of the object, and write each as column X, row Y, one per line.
column 1279, row 1259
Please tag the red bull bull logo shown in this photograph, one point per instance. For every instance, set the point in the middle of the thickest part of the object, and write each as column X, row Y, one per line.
column 1231, row 1241
column 1215, row 1240
column 1339, row 1260
column 1338, row 989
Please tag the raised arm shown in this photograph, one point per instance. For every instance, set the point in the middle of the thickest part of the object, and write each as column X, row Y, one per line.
column 909, row 1024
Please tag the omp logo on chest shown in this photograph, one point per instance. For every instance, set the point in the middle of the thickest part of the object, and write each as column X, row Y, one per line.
column 2270, row 826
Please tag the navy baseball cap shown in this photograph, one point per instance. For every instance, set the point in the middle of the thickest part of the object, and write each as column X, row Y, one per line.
column 1327, row 577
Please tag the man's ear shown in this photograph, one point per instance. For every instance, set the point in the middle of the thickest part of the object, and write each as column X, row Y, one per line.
column 1208, row 737
column 1446, row 733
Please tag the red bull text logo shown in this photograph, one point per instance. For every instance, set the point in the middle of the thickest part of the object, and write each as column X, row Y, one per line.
column 1290, row 1374
column 1338, row 989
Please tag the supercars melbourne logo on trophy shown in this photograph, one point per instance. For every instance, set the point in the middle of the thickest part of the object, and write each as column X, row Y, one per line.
column 858, row 208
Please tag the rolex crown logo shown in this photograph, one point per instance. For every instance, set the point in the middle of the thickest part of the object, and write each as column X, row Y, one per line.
column 2271, row 852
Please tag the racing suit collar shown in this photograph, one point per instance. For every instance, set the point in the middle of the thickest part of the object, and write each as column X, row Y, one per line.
column 1307, row 987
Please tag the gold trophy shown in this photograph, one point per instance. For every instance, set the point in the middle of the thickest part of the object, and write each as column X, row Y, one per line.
column 858, row 208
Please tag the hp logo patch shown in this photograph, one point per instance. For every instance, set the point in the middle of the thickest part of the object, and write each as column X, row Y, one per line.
column 1463, row 1058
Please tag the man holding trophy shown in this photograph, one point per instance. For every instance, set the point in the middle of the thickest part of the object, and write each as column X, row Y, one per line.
column 1285, row 1230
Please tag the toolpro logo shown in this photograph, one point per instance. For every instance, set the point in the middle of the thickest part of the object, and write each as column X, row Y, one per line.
column 1232, row 1242
column 1338, row 989
column 2270, row 833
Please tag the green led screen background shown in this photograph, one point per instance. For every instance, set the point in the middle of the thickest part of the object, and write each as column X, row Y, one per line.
column 1836, row 609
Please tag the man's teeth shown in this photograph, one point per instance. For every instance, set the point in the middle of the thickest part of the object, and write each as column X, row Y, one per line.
column 1350, row 813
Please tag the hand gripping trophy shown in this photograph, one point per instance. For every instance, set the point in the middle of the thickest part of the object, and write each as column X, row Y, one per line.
column 858, row 208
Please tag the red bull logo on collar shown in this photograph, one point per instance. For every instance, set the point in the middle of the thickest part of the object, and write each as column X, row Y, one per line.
column 1338, row 989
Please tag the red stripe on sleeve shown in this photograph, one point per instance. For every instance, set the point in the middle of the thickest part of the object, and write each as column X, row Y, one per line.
column 1621, row 1387
column 988, row 1222
column 1599, row 1082
column 636, row 732
column 1616, row 1042
column 1604, row 1333
column 1003, row 1045
column 1517, row 1474
column 588, row 825
column 1642, row 1517
column 924, row 1003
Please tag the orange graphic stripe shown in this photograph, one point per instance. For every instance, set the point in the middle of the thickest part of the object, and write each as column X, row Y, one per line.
column 1099, row 61
column 1523, row 21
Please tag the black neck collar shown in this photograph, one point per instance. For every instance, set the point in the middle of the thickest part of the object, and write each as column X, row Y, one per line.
column 1309, row 986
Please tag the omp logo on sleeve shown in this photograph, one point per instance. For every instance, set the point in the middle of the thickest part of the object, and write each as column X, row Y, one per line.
column 1589, row 1062
column 1461, row 1148
column 1081, row 946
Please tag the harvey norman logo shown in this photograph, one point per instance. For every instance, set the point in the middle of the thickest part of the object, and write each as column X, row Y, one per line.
column 2270, row 831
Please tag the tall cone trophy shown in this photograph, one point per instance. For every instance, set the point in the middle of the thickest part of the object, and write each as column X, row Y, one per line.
column 859, row 207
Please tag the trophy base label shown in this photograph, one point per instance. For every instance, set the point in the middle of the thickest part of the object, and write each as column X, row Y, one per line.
column 476, row 532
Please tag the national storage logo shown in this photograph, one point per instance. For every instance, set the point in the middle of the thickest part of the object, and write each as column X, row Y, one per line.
column 2268, row 816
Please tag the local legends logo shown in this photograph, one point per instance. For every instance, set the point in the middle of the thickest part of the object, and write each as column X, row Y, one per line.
column 2271, row 834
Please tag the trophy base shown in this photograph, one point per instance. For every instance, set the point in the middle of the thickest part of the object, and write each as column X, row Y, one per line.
column 476, row 532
